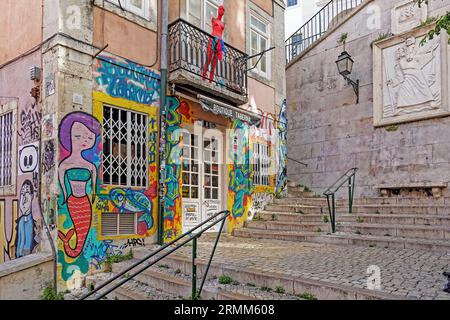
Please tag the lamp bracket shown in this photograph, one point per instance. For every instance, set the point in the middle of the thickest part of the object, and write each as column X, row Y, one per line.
column 355, row 85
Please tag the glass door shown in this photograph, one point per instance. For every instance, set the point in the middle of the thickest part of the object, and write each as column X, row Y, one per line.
column 201, row 179
column 191, row 192
column 211, row 201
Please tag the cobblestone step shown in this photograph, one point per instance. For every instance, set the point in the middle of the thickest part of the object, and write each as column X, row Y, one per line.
column 301, row 194
column 404, row 219
column 264, row 284
column 289, row 226
column 176, row 281
column 342, row 238
column 369, row 209
column 386, row 230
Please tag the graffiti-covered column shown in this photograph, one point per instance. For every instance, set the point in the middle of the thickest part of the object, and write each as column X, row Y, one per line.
column 240, row 184
column 282, row 125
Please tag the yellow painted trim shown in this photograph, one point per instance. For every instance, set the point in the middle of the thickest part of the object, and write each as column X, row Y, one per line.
column 99, row 100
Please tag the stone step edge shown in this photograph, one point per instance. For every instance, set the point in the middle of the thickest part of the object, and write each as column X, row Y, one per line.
column 368, row 206
column 356, row 225
column 348, row 236
column 356, row 215
column 317, row 287
column 164, row 276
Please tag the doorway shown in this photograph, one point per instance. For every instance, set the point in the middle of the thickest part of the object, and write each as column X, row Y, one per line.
column 202, row 168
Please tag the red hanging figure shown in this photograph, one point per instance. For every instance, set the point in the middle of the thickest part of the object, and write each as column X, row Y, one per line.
column 216, row 45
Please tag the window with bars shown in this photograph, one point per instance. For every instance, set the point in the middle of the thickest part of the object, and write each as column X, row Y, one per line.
column 119, row 224
column 6, row 149
column 261, row 164
column 125, row 147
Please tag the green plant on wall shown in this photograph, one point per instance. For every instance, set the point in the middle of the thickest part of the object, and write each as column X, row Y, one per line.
column 428, row 21
column 51, row 294
column 381, row 36
column 442, row 24
column 392, row 128
column 343, row 38
column 117, row 258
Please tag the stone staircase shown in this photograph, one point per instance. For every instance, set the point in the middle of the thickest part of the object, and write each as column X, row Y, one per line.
column 170, row 279
column 415, row 223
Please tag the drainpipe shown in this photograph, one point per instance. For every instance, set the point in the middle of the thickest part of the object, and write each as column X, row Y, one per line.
column 162, row 117
column 41, row 152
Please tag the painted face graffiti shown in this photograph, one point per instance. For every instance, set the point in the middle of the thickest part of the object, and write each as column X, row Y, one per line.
column 28, row 159
column 78, row 177
column 25, row 241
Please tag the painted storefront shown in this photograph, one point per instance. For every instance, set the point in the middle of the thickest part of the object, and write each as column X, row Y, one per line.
column 86, row 159
column 94, row 163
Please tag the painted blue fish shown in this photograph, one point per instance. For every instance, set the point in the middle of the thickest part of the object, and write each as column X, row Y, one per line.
column 133, row 201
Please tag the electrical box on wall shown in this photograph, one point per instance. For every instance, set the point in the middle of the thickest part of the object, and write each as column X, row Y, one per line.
column 35, row 73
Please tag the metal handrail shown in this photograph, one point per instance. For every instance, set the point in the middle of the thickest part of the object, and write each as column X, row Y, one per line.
column 311, row 31
column 299, row 162
column 330, row 193
column 193, row 237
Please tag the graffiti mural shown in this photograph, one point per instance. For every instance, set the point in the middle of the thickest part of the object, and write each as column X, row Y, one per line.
column 259, row 201
column 79, row 134
column 80, row 145
column 121, row 78
column 8, row 233
column 48, row 158
column 30, row 124
column 240, row 184
column 137, row 202
column 20, row 222
column 25, row 225
column 172, row 194
column 282, row 124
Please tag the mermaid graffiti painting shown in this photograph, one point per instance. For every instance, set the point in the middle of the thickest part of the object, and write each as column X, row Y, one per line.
column 77, row 174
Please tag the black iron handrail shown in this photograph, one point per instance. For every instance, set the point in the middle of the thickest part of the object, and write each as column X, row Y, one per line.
column 193, row 237
column 188, row 50
column 299, row 162
column 330, row 15
column 330, row 193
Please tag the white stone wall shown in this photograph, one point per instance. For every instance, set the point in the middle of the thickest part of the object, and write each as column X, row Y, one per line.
column 330, row 132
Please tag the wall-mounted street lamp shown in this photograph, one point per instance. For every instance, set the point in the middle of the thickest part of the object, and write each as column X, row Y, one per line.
column 345, row 67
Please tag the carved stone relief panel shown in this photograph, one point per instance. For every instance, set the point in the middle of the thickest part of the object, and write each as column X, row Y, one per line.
column 410, row 80
column 407, row 15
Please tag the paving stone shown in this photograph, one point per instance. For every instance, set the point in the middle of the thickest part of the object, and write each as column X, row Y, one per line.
column 405, row 272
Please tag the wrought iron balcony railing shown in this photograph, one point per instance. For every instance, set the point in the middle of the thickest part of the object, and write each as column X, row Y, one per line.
column 330, row 15
column 188, row 51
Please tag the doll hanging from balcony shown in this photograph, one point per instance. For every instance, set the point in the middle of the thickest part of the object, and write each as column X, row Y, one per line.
column 216, row 46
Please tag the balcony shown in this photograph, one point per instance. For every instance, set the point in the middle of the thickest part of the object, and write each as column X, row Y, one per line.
column 188, row 47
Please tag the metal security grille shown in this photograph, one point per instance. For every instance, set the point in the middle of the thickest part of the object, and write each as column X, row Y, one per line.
column 6, row 146
column 119, row 224
column 261, row 164
column 125, row 144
